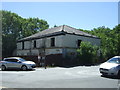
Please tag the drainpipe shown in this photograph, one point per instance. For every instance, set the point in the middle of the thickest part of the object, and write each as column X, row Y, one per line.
column 30, row 47
column 44, row 54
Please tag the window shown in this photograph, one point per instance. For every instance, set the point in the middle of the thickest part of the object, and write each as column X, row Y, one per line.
column 35, row 44
column 7, row 60
column 22, row 45
column 114, row 60
column 22, row 60
column 78, row 43
column 11, row 60
column 14, row 60
column 52, row 42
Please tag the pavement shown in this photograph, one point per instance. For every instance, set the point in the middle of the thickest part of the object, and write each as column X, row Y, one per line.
column 57, row 77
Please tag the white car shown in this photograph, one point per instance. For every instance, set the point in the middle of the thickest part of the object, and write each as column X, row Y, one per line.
column 16, row 63
column 111, row 67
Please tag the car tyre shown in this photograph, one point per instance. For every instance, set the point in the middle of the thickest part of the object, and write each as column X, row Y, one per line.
column 3, row 68
column 24, row 68
column 118, row 74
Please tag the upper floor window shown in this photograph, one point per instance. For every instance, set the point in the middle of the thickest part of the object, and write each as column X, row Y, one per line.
column 23, row 45
column 78, row 43
column 35, row 44
column 52, row 42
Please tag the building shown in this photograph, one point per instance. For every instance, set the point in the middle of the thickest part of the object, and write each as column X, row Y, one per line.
column 55, row 43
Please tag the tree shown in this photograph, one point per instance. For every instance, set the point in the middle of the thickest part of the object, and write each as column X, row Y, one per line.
column 33, row 25
column 104, row 34
column 10, row 32
column 116, row 39
column 15, row 27
column 55, row 25
column 87, row 53
column 110, row 40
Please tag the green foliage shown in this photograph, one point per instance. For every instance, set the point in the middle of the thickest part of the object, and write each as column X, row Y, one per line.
column 32, row 25
column 87, row 53
column 10, row 32
column 116, row 39
column 15, row 27
column 110, row 40
column 55, row 25
column 10, row 24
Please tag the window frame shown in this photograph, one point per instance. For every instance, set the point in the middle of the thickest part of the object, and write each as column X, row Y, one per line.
column 79, row 43
column 11, row 60
column 114, row 60
column 23, row 45
column 52, row 42
column 35, row 44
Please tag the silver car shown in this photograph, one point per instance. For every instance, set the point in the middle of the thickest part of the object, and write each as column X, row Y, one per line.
column 111, row 67
column 16, row 63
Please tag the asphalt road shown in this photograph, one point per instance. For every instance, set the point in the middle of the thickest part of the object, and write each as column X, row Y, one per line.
column 76, row 77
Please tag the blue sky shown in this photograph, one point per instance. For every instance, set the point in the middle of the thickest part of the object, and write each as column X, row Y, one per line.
column 84, row 15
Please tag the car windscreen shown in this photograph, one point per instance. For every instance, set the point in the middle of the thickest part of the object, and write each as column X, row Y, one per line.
column 114, row 60
column 22, row 60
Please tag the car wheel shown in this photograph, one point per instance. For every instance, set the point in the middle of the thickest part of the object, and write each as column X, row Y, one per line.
column 3, row 68
column 24, row 68
column 118, row 74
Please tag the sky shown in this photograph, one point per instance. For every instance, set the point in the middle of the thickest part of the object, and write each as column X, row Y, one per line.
column 80, row 15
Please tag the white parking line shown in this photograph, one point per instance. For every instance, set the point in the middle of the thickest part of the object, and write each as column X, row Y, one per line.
column 2, row 87
column 10, row 72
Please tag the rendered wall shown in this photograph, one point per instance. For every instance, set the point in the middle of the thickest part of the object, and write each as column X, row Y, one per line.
column 71, row 40
column 64, row 44
column 40, row 45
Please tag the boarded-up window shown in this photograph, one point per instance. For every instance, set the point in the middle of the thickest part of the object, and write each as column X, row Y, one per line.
column 23, row 45
column 79, row 42
column 35, row 44
column 52, row 42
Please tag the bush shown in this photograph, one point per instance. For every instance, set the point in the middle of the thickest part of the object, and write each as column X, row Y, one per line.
column 87, row 54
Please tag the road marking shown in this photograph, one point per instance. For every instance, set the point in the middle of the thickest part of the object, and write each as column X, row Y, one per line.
column 15, row 72
column 2, row 87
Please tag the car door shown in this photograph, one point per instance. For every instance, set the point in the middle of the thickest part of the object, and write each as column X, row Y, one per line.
column 12, row 63
column 8, row 63
column 15, row 63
